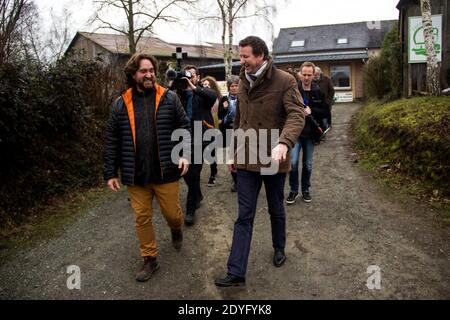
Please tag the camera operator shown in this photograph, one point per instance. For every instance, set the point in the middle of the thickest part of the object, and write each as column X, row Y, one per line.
column 198, row 102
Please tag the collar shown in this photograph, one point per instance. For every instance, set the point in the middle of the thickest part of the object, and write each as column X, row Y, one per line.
column 251, row 77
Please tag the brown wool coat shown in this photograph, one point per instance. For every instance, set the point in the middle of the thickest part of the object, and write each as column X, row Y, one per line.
column 273, row 102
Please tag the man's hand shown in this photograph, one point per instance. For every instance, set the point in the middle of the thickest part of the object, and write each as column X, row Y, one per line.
column 114, row 184
column 184, row 165
column 225, row 104
column 231, row 166
column 279, row 153
column 308, row 111
column 190, row 84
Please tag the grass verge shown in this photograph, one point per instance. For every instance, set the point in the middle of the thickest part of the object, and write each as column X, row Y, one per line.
column 406, row 145
column 50, row 220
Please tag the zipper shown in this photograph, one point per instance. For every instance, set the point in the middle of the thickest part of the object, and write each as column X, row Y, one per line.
column 157, row 136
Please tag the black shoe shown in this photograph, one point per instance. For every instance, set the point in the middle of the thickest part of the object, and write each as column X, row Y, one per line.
column 291, row 197
column 190, row 217
column 234, row 188
column 279, row 258
column 306, row 196
column 211, row 182
column 230, row 281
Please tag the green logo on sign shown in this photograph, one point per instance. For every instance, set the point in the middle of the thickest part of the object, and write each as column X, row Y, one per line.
column 420, row 50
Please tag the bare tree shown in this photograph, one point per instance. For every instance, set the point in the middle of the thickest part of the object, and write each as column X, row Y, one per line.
column 141, row 15
column 44, row 46
column 433, row 78
column 229, row 12
column 60, row 32
column 29, row 36
column 12, row 14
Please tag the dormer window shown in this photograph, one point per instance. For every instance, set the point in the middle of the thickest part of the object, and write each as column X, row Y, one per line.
column 342, row 41
column 298, row 43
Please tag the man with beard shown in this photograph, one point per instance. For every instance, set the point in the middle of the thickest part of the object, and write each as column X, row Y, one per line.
column 139, row 144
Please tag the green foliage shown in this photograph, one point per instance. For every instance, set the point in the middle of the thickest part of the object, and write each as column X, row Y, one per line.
column 382, row 74
column 52, row 124
column 375, row 84
column 391, row 53
column 410, row 135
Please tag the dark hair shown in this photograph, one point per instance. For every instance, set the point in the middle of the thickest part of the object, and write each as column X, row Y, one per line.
column 133, row 65
column 259, row 47
column 231, row 80
column 191, row 66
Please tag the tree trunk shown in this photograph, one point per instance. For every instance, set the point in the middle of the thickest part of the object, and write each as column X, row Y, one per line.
column 131, row 39
column 224, row 44
column 229, row 48
column 433, row 68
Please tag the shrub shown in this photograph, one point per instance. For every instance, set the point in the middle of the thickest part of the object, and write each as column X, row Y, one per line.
column 52, row 124
column 382, row 74
column 411, row 135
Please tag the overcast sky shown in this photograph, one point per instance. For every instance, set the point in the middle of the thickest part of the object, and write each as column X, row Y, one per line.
column 296, row 13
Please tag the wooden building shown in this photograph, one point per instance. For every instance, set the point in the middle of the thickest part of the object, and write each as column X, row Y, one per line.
column 113, row 48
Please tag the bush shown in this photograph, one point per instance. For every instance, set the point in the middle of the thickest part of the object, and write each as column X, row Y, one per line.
column 382, row 74
column 375, row 84
column 411, row 135
column 391, row 53
column 52, row 124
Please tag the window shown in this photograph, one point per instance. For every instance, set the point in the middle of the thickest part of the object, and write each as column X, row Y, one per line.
column 298, row 43
column 342, row 41
column 341, row 77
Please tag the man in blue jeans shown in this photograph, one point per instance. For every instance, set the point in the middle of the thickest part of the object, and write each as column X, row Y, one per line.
column 268, row 101
column 316, row 109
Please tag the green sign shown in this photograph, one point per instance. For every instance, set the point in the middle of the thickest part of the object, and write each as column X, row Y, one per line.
column 416, row 43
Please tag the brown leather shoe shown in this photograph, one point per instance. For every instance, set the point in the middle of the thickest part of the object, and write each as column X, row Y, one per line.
column 149, row 267
column 177, row 238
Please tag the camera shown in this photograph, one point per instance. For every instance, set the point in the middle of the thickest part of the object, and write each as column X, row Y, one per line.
column 177, row 77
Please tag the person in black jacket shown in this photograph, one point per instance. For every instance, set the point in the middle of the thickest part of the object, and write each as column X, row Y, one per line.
column 316, row 111
column 198, row 102
column 327, row 88
column 139, row 145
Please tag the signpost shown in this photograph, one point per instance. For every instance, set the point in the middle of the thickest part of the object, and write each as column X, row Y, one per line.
column 416, row 43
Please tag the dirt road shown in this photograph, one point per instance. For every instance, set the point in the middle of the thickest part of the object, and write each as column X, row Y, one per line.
column 350, row 225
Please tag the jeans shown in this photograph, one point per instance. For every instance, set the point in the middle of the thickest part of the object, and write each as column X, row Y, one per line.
column 248, row 187
column 308, row 149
